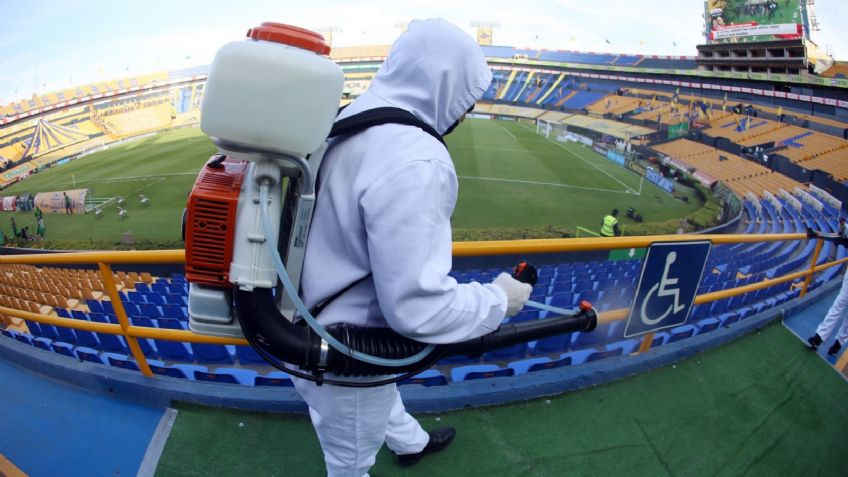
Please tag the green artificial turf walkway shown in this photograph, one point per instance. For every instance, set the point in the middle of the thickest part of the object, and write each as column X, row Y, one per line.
column 762, row 405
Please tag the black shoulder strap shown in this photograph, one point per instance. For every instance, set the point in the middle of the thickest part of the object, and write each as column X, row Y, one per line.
column 378, row 116
column 356, row 124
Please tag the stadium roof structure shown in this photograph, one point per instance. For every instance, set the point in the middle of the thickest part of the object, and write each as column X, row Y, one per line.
column 48, row 137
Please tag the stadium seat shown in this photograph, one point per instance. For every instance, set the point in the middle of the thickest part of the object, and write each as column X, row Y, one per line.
column 274, row 378
column 211, row 353
column 708, row 324
column 245, row 377
column 247, row 355
column 551, row 344
column 174, row 351
column 120, row 361
column 66, row 335
column 174, row 311
column 88, row 354
column 607, row 353
column 537, row 364
column 112, row 343
column 182, row 371
column 42, row 343
column 64, row 349
column 79, row 315
column 25, row 338
column 87, row 339
column 681, row 332
column 510, row 352
column 479, row 371
column 429, row 377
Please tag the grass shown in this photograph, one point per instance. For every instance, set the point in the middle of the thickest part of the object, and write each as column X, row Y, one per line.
column 513, row 184
column 762, row 405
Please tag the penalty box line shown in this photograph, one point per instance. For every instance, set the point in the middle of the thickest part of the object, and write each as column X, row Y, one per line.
column 580, row 156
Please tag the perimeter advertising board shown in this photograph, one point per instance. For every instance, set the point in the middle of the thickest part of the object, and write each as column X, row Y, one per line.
column 730, row 21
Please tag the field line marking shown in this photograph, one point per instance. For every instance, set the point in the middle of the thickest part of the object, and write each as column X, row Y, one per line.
column 510, row 134
column 587, row 161
column 550, row 184
column 123, row 179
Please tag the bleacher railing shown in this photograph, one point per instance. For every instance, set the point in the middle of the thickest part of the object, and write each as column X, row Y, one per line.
column 132, row 333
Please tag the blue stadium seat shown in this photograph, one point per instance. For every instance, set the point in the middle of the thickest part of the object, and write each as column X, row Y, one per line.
column 245, row 377
column 708, row 324
column 510, row 352
column 479, row 371
column 131, row 308
column 142, row 287
column 112, row 343
column 42, row 343
column 64, row 349
column 174, row 311
column 63, row 312
column 211, row 353
column 182, row 371
column 88, row 354
column 79, row 315
column 274, row 378
column 135, row 297
column 577, row 357
column 247, row 355
column 25, row 338
column 120, row 361
column 66, row 335
column 551, row 344
column 173, row 299
column 154, row 298
column 87, row 339
column 538, row 364
column 150, row 310
column 108, row 309
column 729, row 318
column 681, row 333
column 174, row 350
column 429, row 377
column 603, row 354
column 94, row 306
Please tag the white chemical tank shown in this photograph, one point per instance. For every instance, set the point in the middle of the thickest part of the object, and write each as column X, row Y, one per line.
column 276, row 91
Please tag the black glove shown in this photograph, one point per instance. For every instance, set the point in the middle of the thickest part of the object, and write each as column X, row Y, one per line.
column 525, row 273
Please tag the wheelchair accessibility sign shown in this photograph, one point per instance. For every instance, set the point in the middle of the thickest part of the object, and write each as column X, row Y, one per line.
column 668, row 285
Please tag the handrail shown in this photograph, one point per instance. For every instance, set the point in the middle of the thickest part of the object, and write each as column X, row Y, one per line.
column 131, row 333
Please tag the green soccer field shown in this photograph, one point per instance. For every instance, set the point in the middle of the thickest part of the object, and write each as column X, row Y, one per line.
column 509, row 177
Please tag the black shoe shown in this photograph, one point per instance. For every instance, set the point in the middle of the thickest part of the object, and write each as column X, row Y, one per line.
column 815, row 341
column 439, row 439
column 835, row 348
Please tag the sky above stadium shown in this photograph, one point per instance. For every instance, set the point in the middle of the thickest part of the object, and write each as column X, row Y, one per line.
column 47, row 45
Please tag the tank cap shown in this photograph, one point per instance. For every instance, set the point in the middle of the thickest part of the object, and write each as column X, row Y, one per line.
column 290, row 35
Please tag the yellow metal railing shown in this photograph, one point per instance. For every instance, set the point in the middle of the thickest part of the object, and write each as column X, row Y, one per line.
column 131, row 333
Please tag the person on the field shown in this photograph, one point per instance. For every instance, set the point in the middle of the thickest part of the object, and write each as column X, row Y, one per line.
column 68, row 209
column 382, row 222
column 609, row 226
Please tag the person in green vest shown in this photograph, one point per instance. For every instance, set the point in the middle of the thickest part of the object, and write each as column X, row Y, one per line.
column 609, row 226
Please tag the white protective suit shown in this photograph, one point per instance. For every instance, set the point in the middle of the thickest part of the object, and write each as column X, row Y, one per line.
column 384, row 207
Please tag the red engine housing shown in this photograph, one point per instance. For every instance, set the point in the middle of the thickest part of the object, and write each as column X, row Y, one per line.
column 210, row 221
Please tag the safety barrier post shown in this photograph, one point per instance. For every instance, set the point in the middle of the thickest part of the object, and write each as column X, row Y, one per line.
column 647, row 340
column 815, row 259
column 121, row 313
column 842, row 363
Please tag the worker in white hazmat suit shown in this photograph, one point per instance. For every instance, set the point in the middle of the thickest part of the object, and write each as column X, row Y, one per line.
column 382, row 223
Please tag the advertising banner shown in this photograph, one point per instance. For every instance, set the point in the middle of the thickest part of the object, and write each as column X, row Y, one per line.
column 8, row 203
column 655, row 178
column 54, row 202
column 616, row 157
column 753, row 20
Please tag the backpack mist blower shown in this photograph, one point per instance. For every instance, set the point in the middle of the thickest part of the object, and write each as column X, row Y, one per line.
column 269, row 105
